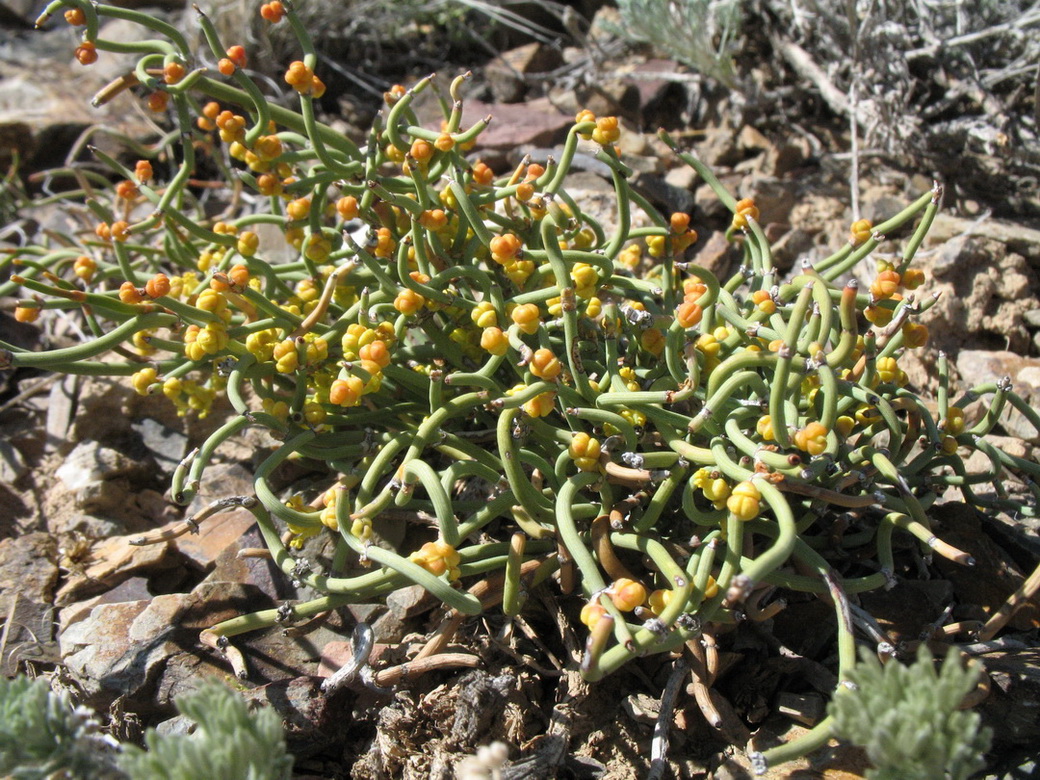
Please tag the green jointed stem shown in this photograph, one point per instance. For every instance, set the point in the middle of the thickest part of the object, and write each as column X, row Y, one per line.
column 421, row 405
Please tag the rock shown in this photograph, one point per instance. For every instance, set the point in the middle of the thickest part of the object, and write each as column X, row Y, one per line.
column 978, row 462
column 682, row 177
column 791, row 247
column 909, row 608
column 87, row 526
column 615, row 97
column 269, row 655
column 167, row 446
column 979, row 590
column 658, row 95
column 984, row 293
column 506, row 73
column 28, row 634
column 774, row 198
column 124, row 648
column 100, row 477
column 784, row 157
column 751, row 141
column 99, row 410
column 178, row 726
column 718, row 148
column 111, row 562
column 91, row 463
column 60, row 411
column 12, row 464
column 29, row 567
column 40, row 118
column 311, row 719
column 1016, row 236
column 132, row 589
column 219, row 531
column 99, row 652
column 597, row 200
column 662, row 194
column 716, row 254
column 980, row 366
column 409, row 601
column 259, row 571
column 534, row 123
column 17, row 13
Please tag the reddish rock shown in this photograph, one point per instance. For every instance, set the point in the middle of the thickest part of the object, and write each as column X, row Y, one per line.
column 123, row 649
column 223, row 530
column 535, row 123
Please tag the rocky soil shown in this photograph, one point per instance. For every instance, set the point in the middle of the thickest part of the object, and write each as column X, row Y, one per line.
column 85, row 466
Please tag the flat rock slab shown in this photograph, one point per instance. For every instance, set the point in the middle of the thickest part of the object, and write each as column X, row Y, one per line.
column 28, row 567
column 122, row 649
column 535, row 123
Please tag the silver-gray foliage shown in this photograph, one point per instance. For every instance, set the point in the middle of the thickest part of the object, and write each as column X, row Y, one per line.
column 919, row 74
column 42, row 735
column 698, row 33
column 229, row 742
column 906, row 718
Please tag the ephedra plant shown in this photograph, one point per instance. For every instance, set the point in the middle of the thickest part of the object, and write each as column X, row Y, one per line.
column 442, row 323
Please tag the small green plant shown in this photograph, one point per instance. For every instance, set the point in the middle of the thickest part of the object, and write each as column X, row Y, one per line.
column 43, row 736
column 907, row 717
column 699, row 33
column 229, row 742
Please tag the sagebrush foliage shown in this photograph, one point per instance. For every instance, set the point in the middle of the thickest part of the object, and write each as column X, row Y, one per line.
column 906, row 717
column 229, row 742
column 43, row 736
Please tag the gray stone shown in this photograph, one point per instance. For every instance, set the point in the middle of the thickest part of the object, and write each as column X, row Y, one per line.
column 168, row 446
column 506, row 73
column 610, row 98
column 60, row 411
column 178, row 726
column 132, row 589
column 228, row 566
column 28, row 634
column 28, row 566
column 101, row 478
column 12, row 465
column 980, row 366
column 662, row 194
column 410, row 601
column 85, row 525
column 90, row 462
